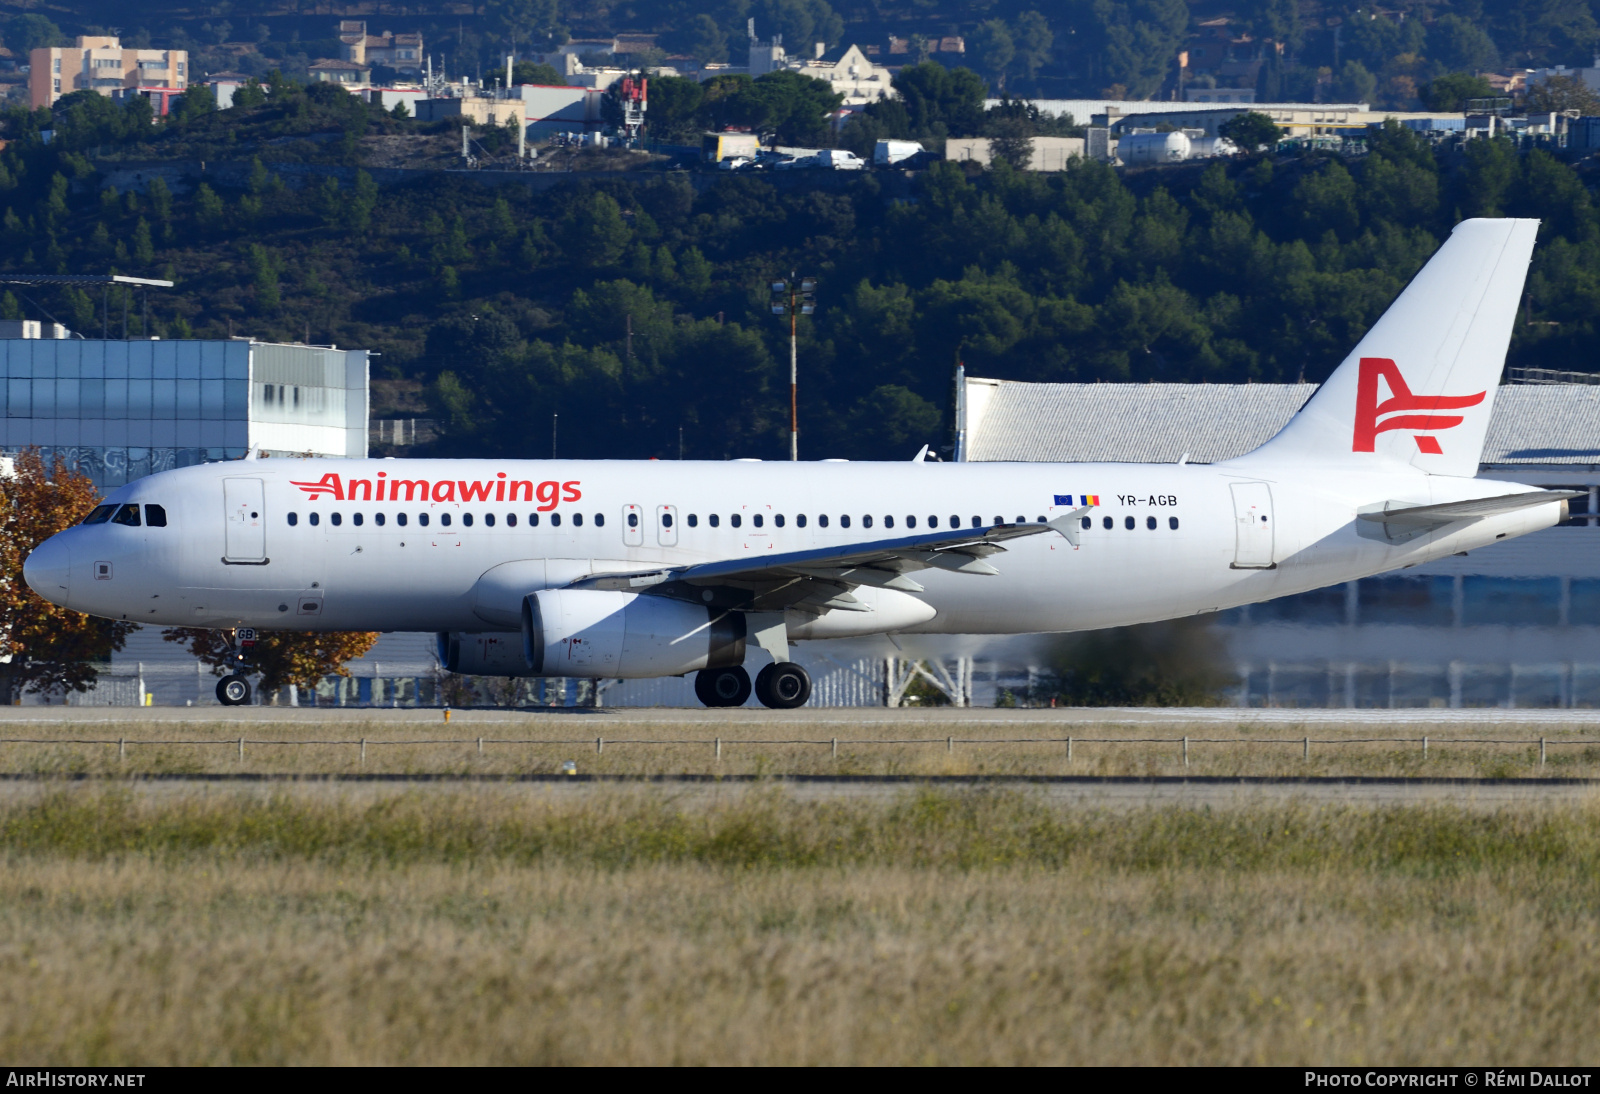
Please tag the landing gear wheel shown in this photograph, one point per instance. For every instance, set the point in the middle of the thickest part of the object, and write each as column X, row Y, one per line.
column 783, row 686
column 233, row 691
column 722, row 687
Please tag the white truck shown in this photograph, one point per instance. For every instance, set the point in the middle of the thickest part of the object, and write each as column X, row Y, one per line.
column 887, row 153
column 837, row 159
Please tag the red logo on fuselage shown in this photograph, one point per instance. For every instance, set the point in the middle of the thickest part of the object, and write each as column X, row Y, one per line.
column 1400, row 401
column 381, row 487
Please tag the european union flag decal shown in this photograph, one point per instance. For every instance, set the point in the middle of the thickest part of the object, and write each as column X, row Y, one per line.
column 1063, row 499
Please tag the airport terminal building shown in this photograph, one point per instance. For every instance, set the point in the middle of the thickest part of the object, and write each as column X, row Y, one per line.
column 1513, row 625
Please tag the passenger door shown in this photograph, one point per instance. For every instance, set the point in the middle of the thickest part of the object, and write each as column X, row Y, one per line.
column 667, row 525
column 246, row 539
column 632, row 526
column 1252, row 522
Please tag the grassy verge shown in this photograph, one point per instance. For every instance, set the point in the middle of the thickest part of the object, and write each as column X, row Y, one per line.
column 768, row 746
column 485, row 926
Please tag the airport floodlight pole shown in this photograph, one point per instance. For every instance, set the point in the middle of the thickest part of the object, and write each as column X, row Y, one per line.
column 794, row 297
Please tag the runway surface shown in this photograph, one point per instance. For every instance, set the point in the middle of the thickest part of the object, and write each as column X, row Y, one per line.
column 816, row 717
column 1066, row 790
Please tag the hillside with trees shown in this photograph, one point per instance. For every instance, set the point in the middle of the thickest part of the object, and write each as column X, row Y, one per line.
column 635, row 304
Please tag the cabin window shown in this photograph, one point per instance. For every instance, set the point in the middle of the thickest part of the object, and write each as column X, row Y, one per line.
column 1087, row 523
column 155, row 516
column 999, row 520
column 100, row 514
column 714, row 519
column 294, row 519
column 316, row 519
column 511, row 520
column 128, row 515
column 1128, row 523
column 844, row 520
column 1172, row 522
column 694, row 521
column 422, row 519
column 977, row 522
column 1022, row 520
column 756, row 520
column 577, row 520
column 666, row 520
column 800, row 521
column 358, row 519
column 1150, row 523
column 379, row 519
column 736, row 520
column 599, row 520
column 866, row 521
column 633, row 520
column 1108, row 522
column 888, row 522
column 911, row 522
column 823, row 520
column 337, row 518
column 533, row 520
column 555, row 520
column 466, row 520
column 1040, row 520
column 488, row 520
column 778, row 520
column 444, row 520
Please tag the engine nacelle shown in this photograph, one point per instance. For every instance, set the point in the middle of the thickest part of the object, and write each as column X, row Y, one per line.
column 489, row 654
column 594, row 632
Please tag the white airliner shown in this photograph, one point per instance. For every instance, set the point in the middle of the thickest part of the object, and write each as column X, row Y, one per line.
column 640, row 569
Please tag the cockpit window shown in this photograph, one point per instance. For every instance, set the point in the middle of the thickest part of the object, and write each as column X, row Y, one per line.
column 100, row 514
column 155, row 516
column 127, row 514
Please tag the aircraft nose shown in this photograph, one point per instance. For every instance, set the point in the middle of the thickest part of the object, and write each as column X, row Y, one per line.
column 48, row 570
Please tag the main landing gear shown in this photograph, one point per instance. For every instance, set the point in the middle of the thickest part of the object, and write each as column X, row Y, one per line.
column 782, row 686
column 233, row 691
column 722, row 687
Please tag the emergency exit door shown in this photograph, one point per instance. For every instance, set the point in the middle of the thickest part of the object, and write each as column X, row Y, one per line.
column 246, row 541
column 1252, row 523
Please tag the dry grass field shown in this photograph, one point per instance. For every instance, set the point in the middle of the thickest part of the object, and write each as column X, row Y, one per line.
column 904, row 742
column 479, row 925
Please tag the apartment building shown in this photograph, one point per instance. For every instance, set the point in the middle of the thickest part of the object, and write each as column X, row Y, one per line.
column 102, row 64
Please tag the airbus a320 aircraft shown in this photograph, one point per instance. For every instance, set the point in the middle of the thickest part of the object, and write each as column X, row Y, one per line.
column 640, row 569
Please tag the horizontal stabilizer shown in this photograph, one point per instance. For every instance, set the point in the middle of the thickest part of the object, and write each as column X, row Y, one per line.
column 1406, row 515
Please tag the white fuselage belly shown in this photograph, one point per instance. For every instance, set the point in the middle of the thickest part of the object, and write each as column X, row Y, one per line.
column 414, row 578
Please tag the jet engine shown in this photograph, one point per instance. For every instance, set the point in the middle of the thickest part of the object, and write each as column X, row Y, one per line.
column 488, row 654
column 595, row 632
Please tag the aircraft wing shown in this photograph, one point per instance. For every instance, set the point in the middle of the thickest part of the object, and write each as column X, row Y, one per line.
column 1429, row 516
column 820, row 579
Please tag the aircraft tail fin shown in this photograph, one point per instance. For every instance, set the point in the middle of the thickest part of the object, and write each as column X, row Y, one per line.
column 1420, row 386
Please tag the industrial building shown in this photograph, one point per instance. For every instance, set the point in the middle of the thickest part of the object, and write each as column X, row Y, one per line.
column 1514, row 625
column 118, row 410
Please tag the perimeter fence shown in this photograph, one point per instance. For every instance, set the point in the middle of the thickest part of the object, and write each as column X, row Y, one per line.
column 718, row 744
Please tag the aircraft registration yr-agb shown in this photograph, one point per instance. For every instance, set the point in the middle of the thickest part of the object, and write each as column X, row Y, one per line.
column 647, row 568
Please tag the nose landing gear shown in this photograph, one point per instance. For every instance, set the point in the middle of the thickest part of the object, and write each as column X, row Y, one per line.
column 233, row 691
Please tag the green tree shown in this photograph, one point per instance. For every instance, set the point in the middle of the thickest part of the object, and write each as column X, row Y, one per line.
column 994, row 50
column 593, row 233
column 208, row 206
column 144, row 251
column 701, row 38
column 1033, row 39
column 1355, row 83
column 527, row 72
column 1563, row 93
column 1134, row 43
column 937, row 101
column 32, row 31
column 1251, row 131
column 1452, row 90
column 1461, row 46
column 799, row 22
column 264, row 275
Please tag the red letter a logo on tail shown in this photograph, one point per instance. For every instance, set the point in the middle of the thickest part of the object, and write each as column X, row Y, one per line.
column 1369, row 410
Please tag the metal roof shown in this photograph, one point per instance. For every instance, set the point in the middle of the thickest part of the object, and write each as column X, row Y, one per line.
column 1533, row 424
